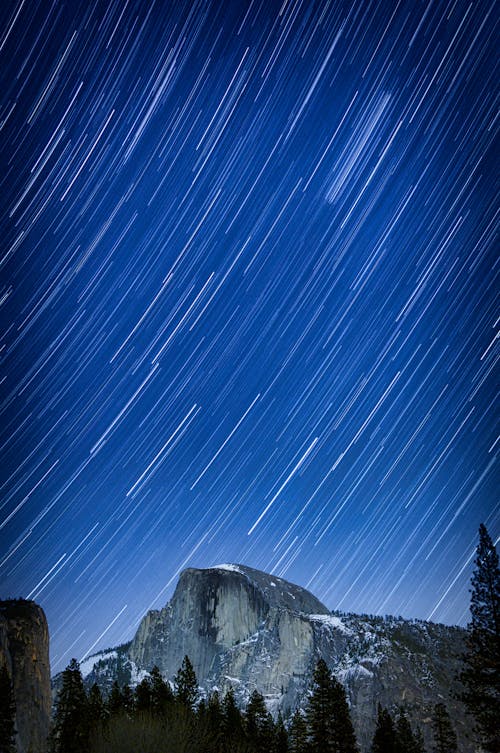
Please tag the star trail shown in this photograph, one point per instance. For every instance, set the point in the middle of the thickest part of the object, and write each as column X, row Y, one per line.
column 248, row 302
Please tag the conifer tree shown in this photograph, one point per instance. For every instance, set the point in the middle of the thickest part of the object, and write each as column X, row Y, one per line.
column 320, row 711
column 186, row 684
column 259, row 724
column 481, row 674
column 343, row 732
column 143, row 700
column 445, row 739
column 297, row 733
column 214, row 723
column 115, row 704
column 232, row 720
column 406, row 741
column 70, row 730
column 281, row 736
column 95, row 707
column 7, row 713
column 329, row 723
column 384, row 739
column 160, row 692
column 128, row 700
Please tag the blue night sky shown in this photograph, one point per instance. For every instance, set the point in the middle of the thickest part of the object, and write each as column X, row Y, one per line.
column 248, row 283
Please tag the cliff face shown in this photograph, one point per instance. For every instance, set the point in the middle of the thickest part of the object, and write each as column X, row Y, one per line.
column 246, row 629
column 24, row 649
column 211, row 612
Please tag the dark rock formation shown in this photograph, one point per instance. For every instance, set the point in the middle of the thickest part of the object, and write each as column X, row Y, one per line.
column 247, row 629
column 24, row 650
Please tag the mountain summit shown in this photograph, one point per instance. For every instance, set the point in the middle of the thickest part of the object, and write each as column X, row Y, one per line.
column 247, row 629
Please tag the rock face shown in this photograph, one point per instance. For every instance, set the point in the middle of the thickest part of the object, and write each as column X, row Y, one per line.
column 212, row 612
column 250, row 630
column 24, row 650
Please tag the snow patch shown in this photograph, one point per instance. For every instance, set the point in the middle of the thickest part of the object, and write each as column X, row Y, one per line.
column 355, row 672
column 230, row 568
column 87, row 665
column 136, row 675
column 332, row 621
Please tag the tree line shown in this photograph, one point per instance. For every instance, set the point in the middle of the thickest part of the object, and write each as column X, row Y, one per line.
column 157, row 717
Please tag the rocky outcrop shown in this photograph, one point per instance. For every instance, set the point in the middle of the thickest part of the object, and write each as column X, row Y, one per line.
column 213, row 611
column 24, row 650
column 249, row 630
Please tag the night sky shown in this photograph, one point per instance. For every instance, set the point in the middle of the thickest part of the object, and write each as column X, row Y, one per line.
column 247, row 302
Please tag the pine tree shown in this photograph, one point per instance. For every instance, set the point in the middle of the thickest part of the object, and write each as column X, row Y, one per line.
column 343, row 731
column 214, row 723
column 259, row 724
column 481, row 674
column 281, row 737
column 7, row 713
column 143, row 700
column 384, row 739
column 70, row 731
column 232, row 721
column 329, row 723
column 115, row 704
column 445, row 739
column 320, row 711
column 160, row 692
column 406, row 741
column 186, row 684
column 128, row 700
column 298, row 733
column 95, row 707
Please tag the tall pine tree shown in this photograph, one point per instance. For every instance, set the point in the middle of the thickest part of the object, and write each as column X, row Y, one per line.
column 115, row 704
column 95, row 708
column 259, row 724
column 297, row 733
column 281, row 736
column 186, row 684
column 406, row 740
column 160, row 693
column 481, row 673
column 143, row 701
column 232, row 721
column 330, row 728
column 7, row 713
column 445, row 739
column 70, row 732
column 384, row 738
column 320, row 711
column 344, row 739
column 214, row 724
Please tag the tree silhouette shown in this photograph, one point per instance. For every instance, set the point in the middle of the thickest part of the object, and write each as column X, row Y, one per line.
column 186, row 684
column 329, row 723
column 445, row 739
column 297, row 733
column 384, row 738
column 70, row 731
column 259, row 724
column 481, row 674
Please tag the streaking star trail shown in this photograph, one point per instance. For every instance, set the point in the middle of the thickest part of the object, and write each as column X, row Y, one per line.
column 248, row 293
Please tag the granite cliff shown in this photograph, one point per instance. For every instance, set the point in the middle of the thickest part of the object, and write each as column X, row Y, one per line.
column 247, row 629
column 24, row 650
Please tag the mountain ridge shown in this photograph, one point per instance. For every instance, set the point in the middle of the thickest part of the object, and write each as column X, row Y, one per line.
column 247, row 629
